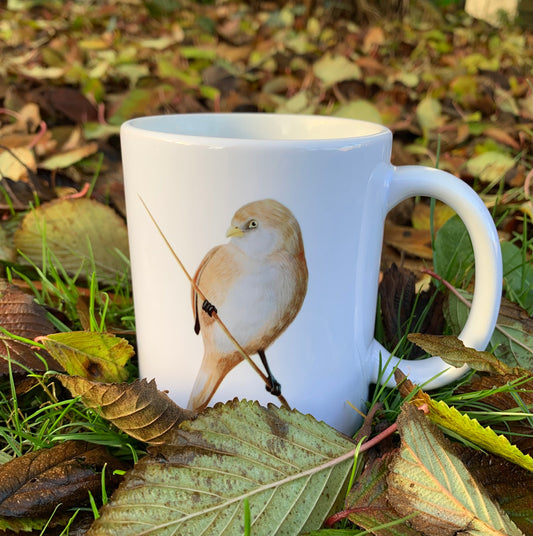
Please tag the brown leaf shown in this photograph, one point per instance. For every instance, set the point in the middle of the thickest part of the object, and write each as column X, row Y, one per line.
column 34, row 484
column 19, row 194
column 21, row 316
column 505, row 482
column 139, row 408
column 415, row 242
column 402, row 309
column 501, row 400
column 368, row 505
column 71, row 103
column 454, row 352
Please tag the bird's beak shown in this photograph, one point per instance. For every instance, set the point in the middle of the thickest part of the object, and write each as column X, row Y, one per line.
column 234, row 231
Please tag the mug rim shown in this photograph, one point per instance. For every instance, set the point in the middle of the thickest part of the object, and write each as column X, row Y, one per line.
column 193, row 128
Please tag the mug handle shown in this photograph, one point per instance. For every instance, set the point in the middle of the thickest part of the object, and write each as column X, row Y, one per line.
column 410, row 181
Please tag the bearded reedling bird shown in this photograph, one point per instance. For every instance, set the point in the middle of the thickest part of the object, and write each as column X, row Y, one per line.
column 256, row 283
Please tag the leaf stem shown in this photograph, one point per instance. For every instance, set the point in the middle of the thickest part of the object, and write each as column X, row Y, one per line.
column 240, row 349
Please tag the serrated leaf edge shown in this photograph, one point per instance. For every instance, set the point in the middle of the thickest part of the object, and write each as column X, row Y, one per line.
column 437, row 413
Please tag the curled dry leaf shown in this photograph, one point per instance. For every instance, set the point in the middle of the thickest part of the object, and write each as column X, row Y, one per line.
column 33, row 485
column 21, row 316
column 454, row 352
column 15, row 163
column 139, row 408
column 80, row 233
column 428, row 478
column 289, row 467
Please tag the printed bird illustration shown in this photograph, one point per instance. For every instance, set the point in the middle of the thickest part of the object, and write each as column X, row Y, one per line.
column 256, row 283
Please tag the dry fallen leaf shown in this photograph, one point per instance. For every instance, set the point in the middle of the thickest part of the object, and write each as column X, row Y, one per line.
column 78, row 233
column 138, row 408
column 403, row 309
column 21, row 316
column 368, row 505
column 35, row 484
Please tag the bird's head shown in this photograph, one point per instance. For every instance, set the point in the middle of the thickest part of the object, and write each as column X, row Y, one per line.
column 264, row 227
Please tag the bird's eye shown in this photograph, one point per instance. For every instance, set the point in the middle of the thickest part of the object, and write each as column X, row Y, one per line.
column 252, row 224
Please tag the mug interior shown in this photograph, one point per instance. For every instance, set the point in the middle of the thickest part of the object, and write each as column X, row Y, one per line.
column 258, row 126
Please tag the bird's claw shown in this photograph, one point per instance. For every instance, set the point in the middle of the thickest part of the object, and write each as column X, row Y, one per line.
column 274, row 387
column 209, row 308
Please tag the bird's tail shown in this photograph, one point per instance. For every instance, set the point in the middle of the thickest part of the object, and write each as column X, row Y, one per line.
column 210, row 375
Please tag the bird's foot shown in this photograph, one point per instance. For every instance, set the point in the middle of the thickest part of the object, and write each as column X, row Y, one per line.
column 274, row 388
column 209, row 308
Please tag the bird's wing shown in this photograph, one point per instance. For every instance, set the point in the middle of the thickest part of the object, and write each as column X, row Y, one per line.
column 197, row 278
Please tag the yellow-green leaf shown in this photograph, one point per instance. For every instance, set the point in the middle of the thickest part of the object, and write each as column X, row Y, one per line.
column 80, row 234
column 335, row 68
column 98, row 356
column 484, row 437
column 429, row 114
column 360, row 109
column 67, row 158
column 490, row 166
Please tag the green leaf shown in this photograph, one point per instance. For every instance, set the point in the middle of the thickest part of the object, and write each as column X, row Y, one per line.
column 453, row 256
column 136, row 102
column 98, row 356
column 517, row 276
column 21, row 524
column 331, row 69
column 429, row 114
column 297, row 104
column 490, row 166
column 512, row 340
column 80, row 233
column 290, row 467
column 428, row 478
column 360, row 109
column 197, row 53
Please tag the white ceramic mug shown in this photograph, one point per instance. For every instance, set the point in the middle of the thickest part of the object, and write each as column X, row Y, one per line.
column 304, row 199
